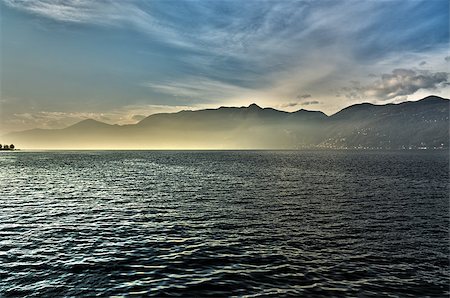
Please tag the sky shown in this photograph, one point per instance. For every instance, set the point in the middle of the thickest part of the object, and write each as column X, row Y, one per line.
column 117, row 61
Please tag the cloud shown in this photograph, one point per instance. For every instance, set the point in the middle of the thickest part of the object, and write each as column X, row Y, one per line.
column 126, row 14
column 289, row 105
column 294, row 104
column 312, row 102
column 422, row 63
column 304, row 96
column 447, row 59
column 81, row 11
column 229, row 51
column 197, row 87
column 235, row 28
column 401, row 82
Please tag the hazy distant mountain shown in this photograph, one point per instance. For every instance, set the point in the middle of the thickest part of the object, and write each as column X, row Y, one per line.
column 423, row 123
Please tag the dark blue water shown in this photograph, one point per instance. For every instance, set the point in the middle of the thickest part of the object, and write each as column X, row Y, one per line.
column 248, row 224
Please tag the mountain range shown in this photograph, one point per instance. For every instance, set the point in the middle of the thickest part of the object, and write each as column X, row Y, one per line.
column 408, row 125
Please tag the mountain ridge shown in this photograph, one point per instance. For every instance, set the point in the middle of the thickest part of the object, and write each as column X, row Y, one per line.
column 413, row 124
column 430, row 97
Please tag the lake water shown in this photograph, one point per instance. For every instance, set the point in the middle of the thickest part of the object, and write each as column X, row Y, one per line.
column 337, row 223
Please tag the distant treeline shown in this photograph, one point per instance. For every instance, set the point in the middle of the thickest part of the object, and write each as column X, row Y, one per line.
column 7, row 147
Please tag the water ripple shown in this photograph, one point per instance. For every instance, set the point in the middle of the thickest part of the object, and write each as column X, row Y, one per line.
column 224, row 224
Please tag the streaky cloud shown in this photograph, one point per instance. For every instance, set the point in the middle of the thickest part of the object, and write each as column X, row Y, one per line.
column 216, row 52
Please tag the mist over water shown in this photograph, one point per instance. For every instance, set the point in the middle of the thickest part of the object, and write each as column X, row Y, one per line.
column 252, row 223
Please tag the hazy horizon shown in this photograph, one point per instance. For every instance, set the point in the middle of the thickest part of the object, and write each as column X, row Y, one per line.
column 195, row 110
column 410, row 125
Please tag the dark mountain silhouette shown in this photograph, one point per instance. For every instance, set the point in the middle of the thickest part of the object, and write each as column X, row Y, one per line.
column 423, row 123
column 419, row 124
